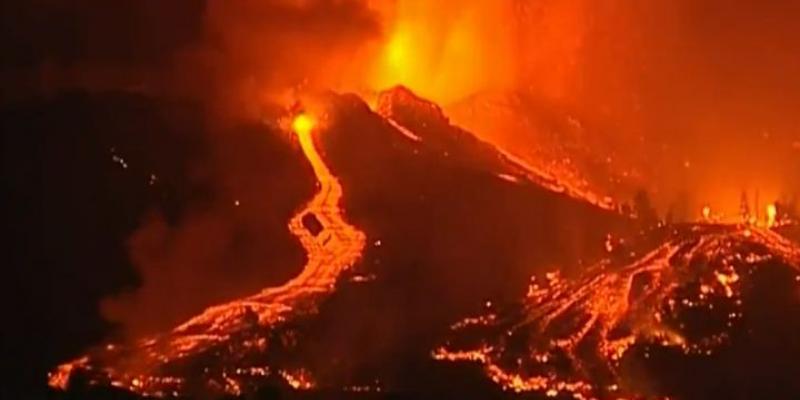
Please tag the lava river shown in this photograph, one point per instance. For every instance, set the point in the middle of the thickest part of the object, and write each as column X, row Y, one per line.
column 332, row 247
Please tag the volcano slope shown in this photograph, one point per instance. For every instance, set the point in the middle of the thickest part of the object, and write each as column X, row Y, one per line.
column 436, row 222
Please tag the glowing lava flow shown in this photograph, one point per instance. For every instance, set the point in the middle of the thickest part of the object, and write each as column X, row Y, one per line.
column 332, row 251
column 236, row 328
column 568, row 337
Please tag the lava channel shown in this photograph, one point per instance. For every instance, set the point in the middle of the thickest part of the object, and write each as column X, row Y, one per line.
column 332, row 247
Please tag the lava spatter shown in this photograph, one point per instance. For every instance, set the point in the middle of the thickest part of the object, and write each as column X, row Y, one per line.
column 568, row 337
column 149, row 367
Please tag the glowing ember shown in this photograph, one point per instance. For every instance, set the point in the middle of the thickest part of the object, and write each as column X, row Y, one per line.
column 298, row 380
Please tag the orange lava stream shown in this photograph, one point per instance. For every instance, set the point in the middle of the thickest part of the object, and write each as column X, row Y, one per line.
column 332, row 251
column 335, row 249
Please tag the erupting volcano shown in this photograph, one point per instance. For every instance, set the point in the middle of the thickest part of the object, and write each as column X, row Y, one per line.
column 307, row 199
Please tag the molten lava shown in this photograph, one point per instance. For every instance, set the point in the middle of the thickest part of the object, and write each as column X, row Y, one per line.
column 303, row 124
column 772, row 215
column 145, row 367
column 569, row 337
